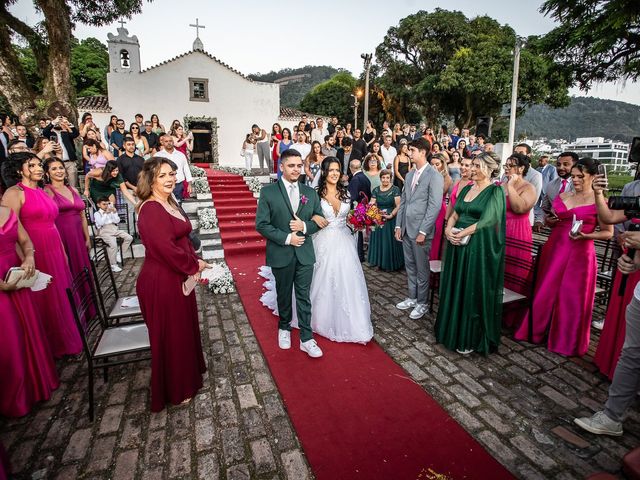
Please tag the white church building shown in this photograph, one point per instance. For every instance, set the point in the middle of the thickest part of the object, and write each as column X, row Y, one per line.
column 215, row 102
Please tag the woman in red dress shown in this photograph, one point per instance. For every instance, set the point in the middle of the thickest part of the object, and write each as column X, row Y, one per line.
column 276, row 136
column 177, row 361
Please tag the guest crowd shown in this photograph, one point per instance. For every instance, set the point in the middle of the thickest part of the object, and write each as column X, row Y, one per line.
column 454, row 213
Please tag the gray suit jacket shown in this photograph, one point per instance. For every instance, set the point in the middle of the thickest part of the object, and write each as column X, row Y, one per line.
column 419, row 209
column 552, row 191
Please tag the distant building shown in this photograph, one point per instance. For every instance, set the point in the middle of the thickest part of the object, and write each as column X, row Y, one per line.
column 612, row 153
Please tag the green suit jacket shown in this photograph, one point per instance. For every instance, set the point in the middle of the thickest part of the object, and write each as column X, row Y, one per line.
column 272, row 222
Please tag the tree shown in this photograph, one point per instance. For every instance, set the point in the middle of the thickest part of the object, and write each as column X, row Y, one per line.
column 449, row 66
column 332, row 97
column 50, row 42
column 596, row 41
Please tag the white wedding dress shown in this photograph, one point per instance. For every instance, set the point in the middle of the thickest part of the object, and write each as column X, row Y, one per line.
column 340, row 309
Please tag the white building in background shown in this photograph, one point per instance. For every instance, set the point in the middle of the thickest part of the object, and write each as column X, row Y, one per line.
column 217, row 103
column 613, row 153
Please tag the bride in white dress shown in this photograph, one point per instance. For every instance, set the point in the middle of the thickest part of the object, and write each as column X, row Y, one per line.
column 340, row 309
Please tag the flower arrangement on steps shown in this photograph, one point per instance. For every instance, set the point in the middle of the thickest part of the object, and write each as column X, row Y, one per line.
column 197, row 172
column 201, row 188
column 218, row 279
column 255, row 185
column 245, row 172
column 207, row 220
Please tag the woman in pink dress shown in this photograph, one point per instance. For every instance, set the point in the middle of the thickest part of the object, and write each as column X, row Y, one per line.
column 439, row 161
column 615, row 327
column 38, row 213
column 465, row 179
column 177, row 360
column 71, row 222
column 521, row 197
column 562, row 306
column 276, row 136
column 27, row 370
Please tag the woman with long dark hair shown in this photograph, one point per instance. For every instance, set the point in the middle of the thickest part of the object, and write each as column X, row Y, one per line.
column 105, row 182
column 276, row 136
column 313, row 161
column 344, row 315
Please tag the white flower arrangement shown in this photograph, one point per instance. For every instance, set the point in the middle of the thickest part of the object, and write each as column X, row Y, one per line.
column 245, row 172
column 207, row 218
column 197, row 172
column 201, row 185
column 254, row 184
column 218, row 279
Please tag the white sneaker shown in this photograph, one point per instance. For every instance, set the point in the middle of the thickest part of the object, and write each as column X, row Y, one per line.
column 406, row 304
column 600, row 424
column 115, row 268
column 598, row 324
column 284, row 339
column 311, row 348
column 418, row 311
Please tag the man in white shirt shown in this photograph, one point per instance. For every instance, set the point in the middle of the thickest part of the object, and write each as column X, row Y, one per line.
column 388, row 152
column 301, row 146
column 183, row 172
column 318, row 133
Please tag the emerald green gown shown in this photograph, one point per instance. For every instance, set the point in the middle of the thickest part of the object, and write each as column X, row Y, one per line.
column 384, row 250
column 471, row 283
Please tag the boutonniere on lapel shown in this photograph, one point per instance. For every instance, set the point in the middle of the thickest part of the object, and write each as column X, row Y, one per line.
column 303, row 199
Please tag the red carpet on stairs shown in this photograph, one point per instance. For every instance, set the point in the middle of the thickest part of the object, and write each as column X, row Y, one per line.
column 358, row 414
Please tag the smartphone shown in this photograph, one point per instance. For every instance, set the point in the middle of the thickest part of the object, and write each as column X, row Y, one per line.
column 602, row 170
column 53, row 138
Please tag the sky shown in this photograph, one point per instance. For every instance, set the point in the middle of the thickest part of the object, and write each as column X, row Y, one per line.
column 256, row 36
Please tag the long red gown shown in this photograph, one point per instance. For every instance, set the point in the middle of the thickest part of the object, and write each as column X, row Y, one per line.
column 27, row 370
column 177, row 361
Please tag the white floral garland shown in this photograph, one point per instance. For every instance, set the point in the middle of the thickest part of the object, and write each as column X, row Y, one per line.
column 218, row 279
column 254, row 184
column 201, row 185
column 197, row 171
column 245, row 172
column 207, row 218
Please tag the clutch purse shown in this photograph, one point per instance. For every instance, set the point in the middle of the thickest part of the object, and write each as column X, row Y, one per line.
column 576, row 227
column 464, row 240
column 189, row 284
column 17, row 273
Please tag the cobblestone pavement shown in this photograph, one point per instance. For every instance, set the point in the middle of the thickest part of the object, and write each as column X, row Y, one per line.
column 519, row 403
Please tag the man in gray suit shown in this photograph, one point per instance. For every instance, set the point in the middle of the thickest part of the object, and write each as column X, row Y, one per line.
column 420, row 204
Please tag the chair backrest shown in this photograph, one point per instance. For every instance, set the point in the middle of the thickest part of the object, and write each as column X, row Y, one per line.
column 86, row 312
column 122, row 208
column 521, row 260
column 105, row 282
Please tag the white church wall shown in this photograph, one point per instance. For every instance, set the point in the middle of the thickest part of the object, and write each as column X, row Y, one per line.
column 236, row 102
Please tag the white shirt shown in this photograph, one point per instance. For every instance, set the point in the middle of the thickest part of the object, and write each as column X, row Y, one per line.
column 65, row 154
column 388, row 155
column 288, row 186
column 534, row 177
column 177, row 157
column 318, row 134
column 304, row 149
column 102, row 218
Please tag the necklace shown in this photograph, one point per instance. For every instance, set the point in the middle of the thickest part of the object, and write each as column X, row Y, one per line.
column 167, row 206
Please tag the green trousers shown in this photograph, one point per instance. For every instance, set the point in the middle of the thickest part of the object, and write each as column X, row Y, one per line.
column 286, row 277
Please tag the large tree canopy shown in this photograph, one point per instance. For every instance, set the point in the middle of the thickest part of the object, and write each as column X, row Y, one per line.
column 332, row 97
column 597, row 40
column 449, row 66
column 50, row 42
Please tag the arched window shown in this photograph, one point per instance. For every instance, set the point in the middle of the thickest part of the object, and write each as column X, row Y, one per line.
column 124, row 59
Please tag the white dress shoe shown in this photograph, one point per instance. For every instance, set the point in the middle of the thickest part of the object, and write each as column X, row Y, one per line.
column 284, row 339
column 406, row 304
column 311, row 348
column 419, row 311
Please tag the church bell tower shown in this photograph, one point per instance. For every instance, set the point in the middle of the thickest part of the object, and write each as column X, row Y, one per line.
column 124, row 52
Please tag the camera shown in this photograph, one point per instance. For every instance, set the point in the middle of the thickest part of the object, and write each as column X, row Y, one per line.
column 630, row 205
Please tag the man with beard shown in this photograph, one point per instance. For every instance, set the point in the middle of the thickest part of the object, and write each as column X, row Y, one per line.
column 561, row 184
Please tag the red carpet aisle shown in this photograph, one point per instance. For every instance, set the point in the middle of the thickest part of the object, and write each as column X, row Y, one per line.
column 356, row 412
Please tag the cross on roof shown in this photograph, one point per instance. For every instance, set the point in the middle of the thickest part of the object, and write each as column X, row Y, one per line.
column 121, row 22
column 197, row 26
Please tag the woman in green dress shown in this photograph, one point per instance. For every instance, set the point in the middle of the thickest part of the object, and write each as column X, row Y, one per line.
column 105, row 182
column 471, row 283
column 384, row 250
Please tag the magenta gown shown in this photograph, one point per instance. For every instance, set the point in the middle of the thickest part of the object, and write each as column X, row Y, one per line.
column 566, row 285
column 177, row 361
column 518, row 228
column 38, row 216
column 436, row 243
column 27, row 370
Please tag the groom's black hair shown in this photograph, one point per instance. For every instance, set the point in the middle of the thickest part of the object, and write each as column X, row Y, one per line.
column 421, row 144
column 291, row 152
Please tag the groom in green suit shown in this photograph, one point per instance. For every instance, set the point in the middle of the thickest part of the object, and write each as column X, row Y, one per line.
column 284, row 218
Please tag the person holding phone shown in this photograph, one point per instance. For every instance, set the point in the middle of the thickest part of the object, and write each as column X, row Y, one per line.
column 61, row 131
column 562, row 183
column 562, row 306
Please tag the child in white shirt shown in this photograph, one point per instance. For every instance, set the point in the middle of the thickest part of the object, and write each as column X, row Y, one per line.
column 106, row 219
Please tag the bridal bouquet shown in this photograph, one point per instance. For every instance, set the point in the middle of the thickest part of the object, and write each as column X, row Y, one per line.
column 364, row 215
